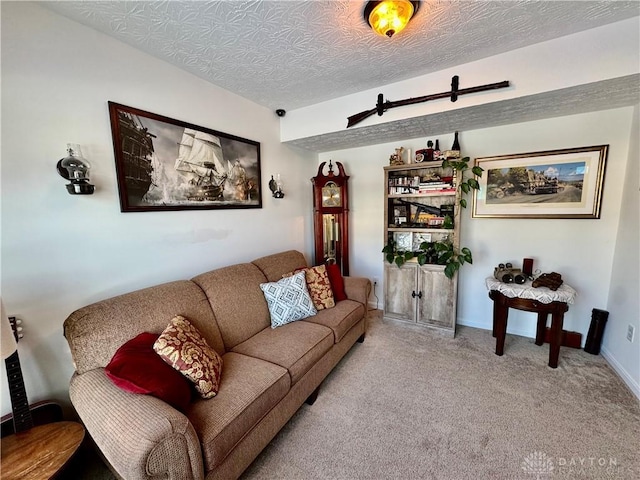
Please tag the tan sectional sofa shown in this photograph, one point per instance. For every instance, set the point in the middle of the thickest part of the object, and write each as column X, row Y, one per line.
column 267, row 373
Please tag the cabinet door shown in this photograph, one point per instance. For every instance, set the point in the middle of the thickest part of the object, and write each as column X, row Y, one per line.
column 399, row 283
column 437, row 305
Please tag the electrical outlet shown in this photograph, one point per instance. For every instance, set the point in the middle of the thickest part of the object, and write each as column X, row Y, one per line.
column 375, row 280
column 630, row 332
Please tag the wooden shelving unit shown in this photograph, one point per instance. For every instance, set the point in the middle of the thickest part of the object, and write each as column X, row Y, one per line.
column 417, row 200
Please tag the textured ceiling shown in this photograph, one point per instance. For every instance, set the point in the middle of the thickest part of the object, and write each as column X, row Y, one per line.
column 294, row 53
column 290, row 54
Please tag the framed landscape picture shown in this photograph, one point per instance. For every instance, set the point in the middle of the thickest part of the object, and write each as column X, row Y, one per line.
column 167, row 164
column 564, row 183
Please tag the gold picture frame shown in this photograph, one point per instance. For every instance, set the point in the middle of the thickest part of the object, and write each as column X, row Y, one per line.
column 565, row 183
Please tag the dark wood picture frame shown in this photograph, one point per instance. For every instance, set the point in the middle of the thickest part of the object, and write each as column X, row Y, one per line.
column 166, row 164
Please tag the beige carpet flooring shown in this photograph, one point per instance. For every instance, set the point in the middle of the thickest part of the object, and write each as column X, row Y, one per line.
column 411, row 404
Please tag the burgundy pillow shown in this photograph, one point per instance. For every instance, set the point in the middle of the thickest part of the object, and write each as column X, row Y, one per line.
column 137, row 368
column 336, row 281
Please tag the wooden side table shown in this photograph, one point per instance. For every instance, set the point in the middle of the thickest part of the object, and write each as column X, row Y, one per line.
column 542, row 301
column 41, row 452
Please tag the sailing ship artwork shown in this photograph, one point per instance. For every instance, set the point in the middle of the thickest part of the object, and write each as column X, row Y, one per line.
column 166, row 164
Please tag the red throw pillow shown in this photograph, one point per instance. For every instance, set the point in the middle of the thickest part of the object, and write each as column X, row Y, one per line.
column 137, row 368
column 337, row 282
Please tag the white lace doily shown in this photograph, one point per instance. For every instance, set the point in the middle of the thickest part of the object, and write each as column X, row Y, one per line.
column 564, row 293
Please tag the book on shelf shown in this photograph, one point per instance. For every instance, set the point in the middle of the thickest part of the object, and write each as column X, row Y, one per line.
column 447, row 210
column 399, row 215
column 435, row 221
column 439, row 190
column 403, row 190
column 434, row 184
column 397, row 181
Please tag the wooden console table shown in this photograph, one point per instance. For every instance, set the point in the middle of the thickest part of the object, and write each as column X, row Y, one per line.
column 541, row 300
column 41, row 452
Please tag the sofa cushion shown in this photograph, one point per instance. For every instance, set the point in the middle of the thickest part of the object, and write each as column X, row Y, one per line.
column 296, row 346
column 249, row 389
column 236, row 300
column 137, row 368
column 288, row 299
column 340, row 318
column 276, row 265
column 181, row 345
column 318, row 285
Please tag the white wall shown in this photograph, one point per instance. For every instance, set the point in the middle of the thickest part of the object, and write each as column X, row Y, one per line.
column 581, row 250
column 544, row 67
column 623, row 302
column 60, row 252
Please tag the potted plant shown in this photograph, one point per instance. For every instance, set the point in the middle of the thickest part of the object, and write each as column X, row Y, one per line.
column 442, row 252
column 439, row 253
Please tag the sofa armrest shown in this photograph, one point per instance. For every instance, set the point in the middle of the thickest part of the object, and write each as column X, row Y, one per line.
column 358, row 289
column 140, row 436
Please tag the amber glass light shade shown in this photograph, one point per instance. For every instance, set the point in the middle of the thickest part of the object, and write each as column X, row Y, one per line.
column 388, row 17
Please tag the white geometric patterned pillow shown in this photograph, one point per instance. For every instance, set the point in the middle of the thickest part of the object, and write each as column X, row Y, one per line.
column 288, row 299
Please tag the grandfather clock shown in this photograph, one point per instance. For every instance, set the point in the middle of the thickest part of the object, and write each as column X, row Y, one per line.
column 331, row 217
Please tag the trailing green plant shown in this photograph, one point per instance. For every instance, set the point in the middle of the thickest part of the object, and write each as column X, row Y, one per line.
column 439, row 253
column 467, row 183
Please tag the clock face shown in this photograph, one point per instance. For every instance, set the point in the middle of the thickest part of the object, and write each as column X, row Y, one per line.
column 331, row 195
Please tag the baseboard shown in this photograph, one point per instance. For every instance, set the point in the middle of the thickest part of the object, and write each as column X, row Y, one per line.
column 489, row 326
column 619, row 369
column 569, row 339
column 480, row 325
column 622, row 373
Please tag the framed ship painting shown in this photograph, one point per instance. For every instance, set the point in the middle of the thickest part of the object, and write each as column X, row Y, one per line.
column 166, row 164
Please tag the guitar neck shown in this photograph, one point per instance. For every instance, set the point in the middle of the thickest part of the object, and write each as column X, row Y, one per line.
column 22, row 419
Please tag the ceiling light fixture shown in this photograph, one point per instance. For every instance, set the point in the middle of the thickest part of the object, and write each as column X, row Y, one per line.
column 388, row 17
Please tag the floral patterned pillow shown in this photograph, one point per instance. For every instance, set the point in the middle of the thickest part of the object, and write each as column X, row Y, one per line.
column 318, row 285
column 182, row 346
